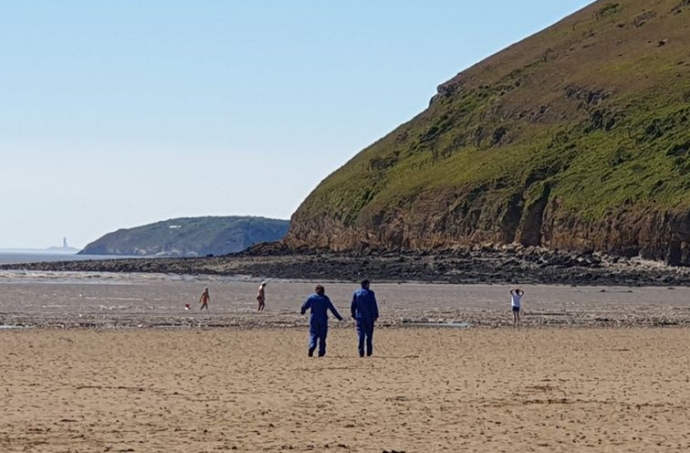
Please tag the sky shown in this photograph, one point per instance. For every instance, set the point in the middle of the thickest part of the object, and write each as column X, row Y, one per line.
column 115, row 114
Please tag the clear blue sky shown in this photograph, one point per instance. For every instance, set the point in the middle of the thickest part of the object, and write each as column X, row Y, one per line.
column 115, row 114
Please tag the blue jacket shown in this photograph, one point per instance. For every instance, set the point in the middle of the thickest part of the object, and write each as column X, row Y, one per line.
column 364, row 305
column 319, row 308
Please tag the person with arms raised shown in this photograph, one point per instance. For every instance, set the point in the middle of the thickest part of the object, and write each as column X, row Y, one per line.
column 516, row 303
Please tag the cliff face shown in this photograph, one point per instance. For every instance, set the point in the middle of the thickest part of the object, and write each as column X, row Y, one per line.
column 575, row 138
column 197, row 236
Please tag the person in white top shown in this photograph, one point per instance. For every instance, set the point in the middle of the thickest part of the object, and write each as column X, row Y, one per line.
column 515, row 302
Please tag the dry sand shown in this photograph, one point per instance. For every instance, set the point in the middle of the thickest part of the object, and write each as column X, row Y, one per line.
column 426, row 390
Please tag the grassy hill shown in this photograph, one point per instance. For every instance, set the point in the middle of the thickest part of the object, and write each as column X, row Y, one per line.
column 576, row 137
column 190, row 237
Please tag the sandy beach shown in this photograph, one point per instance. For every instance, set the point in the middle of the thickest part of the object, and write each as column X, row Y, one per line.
column 425, row 390
column 113, row 363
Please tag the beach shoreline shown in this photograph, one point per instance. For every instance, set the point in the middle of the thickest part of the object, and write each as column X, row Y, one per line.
column 112, row 362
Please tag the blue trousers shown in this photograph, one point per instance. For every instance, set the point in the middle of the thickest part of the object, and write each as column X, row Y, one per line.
column 365, row 332
column 318, row 330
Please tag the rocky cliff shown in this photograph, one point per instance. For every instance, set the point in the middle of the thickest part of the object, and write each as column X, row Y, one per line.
column 196, row 236
column 576, row 138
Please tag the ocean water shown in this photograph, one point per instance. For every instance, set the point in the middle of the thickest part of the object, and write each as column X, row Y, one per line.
column 37, row 257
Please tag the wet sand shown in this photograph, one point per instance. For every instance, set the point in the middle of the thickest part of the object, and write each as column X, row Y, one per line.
column 425, row 390
column 98, row 300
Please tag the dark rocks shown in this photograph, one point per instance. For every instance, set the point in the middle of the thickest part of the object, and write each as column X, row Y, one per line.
column 531, row 265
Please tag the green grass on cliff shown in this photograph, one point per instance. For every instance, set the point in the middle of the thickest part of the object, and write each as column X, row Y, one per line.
column 596, row 106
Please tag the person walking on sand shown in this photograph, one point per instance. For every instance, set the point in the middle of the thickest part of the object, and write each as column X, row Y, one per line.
column 319, row 303
column 365, row 311
column 261, row 296
column 204, row 299
column 515, row 303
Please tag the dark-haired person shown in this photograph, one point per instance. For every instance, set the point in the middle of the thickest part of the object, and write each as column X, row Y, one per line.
column 319, row 303
column 365, row 311
column 515, row 303
column 204, row 299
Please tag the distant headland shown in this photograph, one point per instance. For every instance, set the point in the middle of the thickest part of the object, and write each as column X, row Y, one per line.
column 191, row 236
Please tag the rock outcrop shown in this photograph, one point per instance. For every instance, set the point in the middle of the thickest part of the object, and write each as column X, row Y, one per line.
column 576, row 138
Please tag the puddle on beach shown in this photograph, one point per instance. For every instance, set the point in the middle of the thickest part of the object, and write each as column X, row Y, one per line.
column 168, row 326
column 6, row 327
column 446, row 324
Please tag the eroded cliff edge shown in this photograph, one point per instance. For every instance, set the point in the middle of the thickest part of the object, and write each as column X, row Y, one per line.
column 576, row 138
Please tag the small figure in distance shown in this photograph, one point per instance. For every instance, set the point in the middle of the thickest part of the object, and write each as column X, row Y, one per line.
column 261, row 296
column 319, row 303
column 204, row 299
column 515, row 302
column 365, row 310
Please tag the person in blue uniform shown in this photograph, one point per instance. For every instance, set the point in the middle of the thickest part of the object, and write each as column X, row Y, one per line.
column 365, row 310
column 319, row 304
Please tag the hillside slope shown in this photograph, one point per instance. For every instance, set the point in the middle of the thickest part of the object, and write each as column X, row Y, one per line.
column 575, row 138
column 189, row 237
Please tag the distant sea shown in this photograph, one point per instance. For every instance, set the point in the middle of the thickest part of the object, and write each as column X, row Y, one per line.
column 10, row 257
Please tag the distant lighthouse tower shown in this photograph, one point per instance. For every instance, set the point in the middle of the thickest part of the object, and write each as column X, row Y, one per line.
column 64, row 243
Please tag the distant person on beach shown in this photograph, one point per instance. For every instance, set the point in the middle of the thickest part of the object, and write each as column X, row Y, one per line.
column 261, row 296
column 204, row 299
column 365, row 311
column 319, row 303
column 515, row 303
